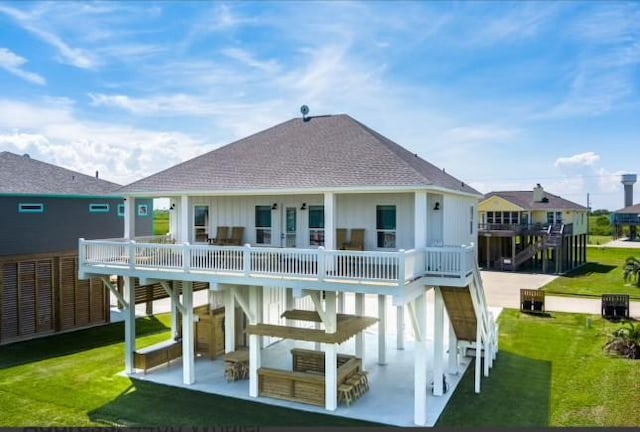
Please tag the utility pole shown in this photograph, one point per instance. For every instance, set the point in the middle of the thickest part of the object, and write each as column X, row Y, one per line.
column 588, row 217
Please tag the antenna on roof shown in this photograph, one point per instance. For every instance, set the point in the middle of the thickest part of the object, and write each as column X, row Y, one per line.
column 304, row 110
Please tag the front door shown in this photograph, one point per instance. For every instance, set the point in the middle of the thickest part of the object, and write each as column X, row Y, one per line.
column 290, row 227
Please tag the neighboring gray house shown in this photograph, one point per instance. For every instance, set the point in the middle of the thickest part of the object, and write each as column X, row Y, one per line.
column 46, row 208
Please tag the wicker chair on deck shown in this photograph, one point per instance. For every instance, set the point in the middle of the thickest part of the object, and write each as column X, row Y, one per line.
column 357, row 240
column 237, row 233
column 221, row 236
column 341, row 238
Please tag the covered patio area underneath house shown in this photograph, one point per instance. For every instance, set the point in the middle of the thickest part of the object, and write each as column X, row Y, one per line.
column 391, row 396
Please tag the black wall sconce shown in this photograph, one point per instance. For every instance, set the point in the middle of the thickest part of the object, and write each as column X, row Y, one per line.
column 304, row 206
column 437, row 205
column 274, row 206
column 173, row 206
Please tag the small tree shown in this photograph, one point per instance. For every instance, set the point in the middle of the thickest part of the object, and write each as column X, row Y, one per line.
column 631, row 270
column 625, row 341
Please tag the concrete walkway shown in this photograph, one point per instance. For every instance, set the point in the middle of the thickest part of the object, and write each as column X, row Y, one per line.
column 622, row 243
column 503, row 290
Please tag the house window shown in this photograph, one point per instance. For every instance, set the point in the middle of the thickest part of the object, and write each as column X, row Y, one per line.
column 30, row 208
column 263, row 225
column 550, row 218
column 386, row 226
column 120, row 209
column 558, row 217
column 316, row 225
column 490, row 217
column 514, row 218
column 471, row 220
column 200, row 223
column 98, row 208
column 498, row 218
column 143, row 210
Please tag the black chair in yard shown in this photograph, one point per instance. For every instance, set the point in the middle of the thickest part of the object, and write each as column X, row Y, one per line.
column 615, row 306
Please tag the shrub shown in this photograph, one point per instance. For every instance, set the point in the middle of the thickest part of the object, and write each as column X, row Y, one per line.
column 625, row 341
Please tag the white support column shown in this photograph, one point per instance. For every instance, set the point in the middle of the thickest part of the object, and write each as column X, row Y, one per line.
column 330, row 354
column 254, row 343
column 129, row 324
column 360, row 335
column 438, row 343
column 329, row 221
column 341, row 302
column 188, row 348
column 229, row 320
column 260, row 312
column 175, row 320
column 420, row 363
column 478, row 359
column 420, row 219
column 185, row 223
column 454, row 361
column 129, row 218
column 382, row 329
column 400, row 326
column 289, row 304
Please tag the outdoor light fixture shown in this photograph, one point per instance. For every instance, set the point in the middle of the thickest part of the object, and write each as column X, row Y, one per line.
column 172, row 206
column 437, row 205
column 274, row 206
column 304, row 206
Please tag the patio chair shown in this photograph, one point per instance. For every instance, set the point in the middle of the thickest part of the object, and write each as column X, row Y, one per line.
column 341, row 238
column 237, row 233
column 357, row 240
column 221, row 236
column 532, row 301
column 615, row 306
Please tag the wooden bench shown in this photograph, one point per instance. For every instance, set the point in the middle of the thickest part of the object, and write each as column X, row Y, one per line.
column 158, row 354
column 302, row 387
column 615, row 306
column 305, row 360
column 531, row 301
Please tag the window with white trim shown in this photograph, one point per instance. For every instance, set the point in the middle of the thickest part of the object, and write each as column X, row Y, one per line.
column 263, row 225
column 386, row 226
column 471, row 220
column 120, row 209
column 143, row 210
column 200, row 223
column 30, row 208
column 316, row 225
column 99, row 208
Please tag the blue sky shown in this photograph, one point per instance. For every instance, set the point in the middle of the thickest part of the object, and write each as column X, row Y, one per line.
column 503, row 95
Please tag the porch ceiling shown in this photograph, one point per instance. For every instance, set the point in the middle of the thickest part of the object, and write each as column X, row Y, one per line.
column 347, row 327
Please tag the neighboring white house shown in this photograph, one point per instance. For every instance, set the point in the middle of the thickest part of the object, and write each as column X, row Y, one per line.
column 294, row 189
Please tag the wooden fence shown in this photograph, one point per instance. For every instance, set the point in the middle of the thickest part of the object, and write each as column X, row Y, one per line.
column 41, row 294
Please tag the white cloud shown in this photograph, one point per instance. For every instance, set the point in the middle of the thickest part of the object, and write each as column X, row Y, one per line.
column 577, row 160
column 269, row 66
column 13, row 63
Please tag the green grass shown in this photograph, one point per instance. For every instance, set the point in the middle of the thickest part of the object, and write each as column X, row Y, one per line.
column 550, row 372
column 601, row 275
column 160, row 222
column 599, row 239
column 72, row 380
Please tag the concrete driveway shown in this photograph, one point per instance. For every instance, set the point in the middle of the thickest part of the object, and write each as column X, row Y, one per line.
column 503, row 288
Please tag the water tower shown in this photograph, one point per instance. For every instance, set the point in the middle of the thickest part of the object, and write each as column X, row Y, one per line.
column 628, row 180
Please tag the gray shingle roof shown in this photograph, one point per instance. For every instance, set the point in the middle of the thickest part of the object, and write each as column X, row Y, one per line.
column 634, row 209
column 524, row 199
column 324, row 152
column 24, row 175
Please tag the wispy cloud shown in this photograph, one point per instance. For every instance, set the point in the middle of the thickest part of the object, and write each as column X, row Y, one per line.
column 581, row 159
column 268, row 66
column 13, row 63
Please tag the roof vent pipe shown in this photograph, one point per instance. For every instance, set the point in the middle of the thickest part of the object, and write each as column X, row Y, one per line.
column 96, row 173
column 628, row 181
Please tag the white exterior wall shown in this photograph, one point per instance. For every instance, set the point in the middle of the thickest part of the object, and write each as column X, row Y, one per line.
column 435, row 234
column 456, row 213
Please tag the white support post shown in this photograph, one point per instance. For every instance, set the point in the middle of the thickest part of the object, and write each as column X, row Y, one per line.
column 420, row 219
column 229, row 320
column 453, row 350
column 400, row 327
column 260, row 311
column 420, row 362
column 478, row 353
column 175, row 322
column 129, row 218
column 360, row 335
column 330, row 324
column 329, row 221
column 382, row 329
column 341, row 302
column 188, row 348
column 330, row 354
column 129, row 324
column 185, row 236
column 438, row 343
column 254, row 343
column 289, row 304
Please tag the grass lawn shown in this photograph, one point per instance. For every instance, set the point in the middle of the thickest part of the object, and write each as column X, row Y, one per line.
column 72, row 380
column 550, row 372
column 601, row 275
column 160, row 222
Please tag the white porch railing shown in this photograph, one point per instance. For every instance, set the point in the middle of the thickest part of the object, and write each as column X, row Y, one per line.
column 108, row 256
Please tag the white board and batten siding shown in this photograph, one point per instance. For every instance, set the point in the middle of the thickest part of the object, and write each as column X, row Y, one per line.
column 459, row 226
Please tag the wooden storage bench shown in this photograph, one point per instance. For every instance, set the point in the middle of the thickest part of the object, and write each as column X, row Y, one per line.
column 531, row 301
column 158, row 354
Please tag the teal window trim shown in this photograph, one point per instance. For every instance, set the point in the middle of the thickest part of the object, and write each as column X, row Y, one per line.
column 121, row 210
column 143, row 210
column 30, row 208
column 99, row 208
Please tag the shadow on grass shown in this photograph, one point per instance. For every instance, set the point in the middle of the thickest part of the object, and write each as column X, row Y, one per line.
column 76, row 341
column 516, row 393
column 151, row 404
column 590, row 268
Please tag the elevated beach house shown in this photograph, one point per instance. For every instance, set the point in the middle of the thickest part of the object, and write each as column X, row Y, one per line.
column 532, row 229
column 282, row 225
column 45, row 209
